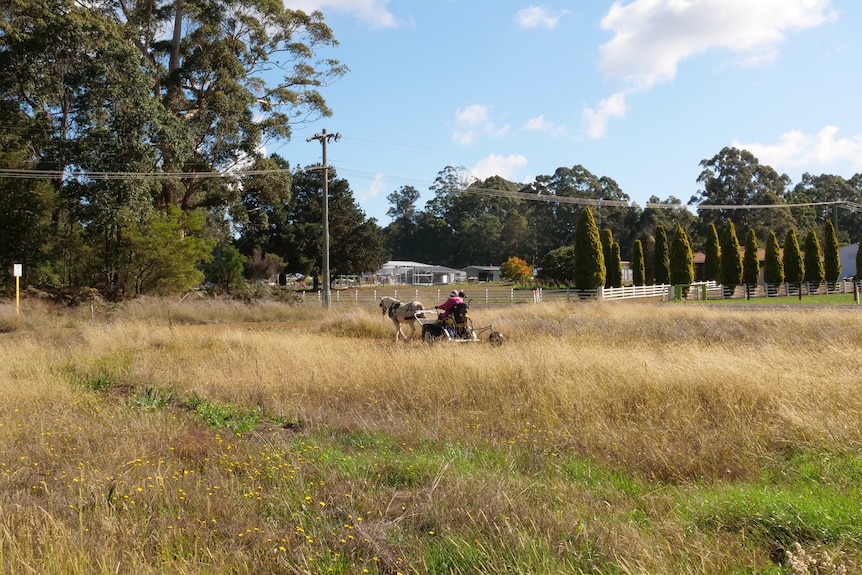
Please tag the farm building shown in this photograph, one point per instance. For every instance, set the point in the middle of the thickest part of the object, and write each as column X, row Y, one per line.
column 483, row 273
column 397, row 272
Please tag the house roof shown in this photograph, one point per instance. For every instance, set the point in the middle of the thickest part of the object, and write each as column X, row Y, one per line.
column 483, row 268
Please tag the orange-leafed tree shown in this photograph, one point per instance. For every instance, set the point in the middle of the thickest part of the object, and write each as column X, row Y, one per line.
column 515, row 269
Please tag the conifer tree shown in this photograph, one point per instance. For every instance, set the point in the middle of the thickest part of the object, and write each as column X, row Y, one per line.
column 681, row 260
column 731, row 260
column 607, row 247
column 662, row 256
column 589, row 259
column 615, row 268
column 814, row 272
column 794, row 267
column 858, row 261
column 773, row 266
column 638, row 269
column 831, row 253
column 750, row 262
column 712, row 252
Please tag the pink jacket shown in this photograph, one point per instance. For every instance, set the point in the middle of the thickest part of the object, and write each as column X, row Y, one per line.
column 447, row 305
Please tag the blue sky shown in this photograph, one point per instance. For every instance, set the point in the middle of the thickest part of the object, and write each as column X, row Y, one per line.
column 640, row 90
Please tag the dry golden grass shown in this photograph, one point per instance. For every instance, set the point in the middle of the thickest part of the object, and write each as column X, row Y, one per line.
column 103, row 459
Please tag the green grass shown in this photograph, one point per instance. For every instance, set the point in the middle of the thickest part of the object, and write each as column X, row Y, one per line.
column 821, row 299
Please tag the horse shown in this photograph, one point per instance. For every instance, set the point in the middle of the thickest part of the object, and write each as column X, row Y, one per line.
column 401, row 312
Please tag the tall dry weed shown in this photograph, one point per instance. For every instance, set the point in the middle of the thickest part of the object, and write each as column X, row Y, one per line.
column 666, row 394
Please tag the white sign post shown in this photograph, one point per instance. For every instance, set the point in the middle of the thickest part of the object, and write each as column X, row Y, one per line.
column 17, row 271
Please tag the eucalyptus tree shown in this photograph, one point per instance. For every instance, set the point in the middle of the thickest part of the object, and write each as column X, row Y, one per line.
column 235, row 74
column 669, row 212
column 561, row 197
column 824, row 191
column 400, row 233
column 477, row 212
column 736, row 178
column 166, row 91
column 78, row 97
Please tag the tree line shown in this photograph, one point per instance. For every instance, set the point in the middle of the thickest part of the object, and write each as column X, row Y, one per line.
column 594, row 260
column 131, row 161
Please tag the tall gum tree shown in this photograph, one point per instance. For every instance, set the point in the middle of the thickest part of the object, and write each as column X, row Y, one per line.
column 735, row 177
column 235, row 74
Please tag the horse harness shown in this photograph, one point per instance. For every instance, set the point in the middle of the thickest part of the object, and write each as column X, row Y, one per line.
column 394, row 308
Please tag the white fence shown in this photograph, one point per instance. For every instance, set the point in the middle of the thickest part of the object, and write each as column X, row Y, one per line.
column 502, row 295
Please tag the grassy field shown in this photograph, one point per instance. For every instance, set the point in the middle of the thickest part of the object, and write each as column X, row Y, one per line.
column 209, row 437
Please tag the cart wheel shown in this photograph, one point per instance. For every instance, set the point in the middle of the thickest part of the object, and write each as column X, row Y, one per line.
column 496, row 338
column 465, row 330
column 432, row 333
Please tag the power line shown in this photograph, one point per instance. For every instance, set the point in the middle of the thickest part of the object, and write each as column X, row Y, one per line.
column 54, row 174
column 539, row 197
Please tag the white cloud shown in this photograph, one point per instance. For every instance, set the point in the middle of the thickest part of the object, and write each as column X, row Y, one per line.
column 809, row 152
column 495, row 165
column 373, row 190
column 540, row 124
column 651, row 38
column 372, row 12
column 473, row 121
column 538, row 17
column 596, row 119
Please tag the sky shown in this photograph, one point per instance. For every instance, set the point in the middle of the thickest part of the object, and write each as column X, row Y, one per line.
column 640, row 91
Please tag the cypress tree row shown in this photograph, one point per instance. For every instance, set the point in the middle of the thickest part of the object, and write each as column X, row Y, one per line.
column 681, row 260
column 731, row 260
column 589, row 261
column 813, row 263
column 750, row 262
column 831, row 253
column 794, row 267
column 712, row 252
column 638, row 270
column 662, row 256
column 773, row 266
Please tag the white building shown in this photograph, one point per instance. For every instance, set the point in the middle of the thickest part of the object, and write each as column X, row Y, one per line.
column 399, row 272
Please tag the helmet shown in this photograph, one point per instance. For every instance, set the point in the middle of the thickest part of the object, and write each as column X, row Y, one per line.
column 453, row 293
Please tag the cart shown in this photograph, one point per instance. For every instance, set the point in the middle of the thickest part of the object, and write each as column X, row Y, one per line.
column 457, row 327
